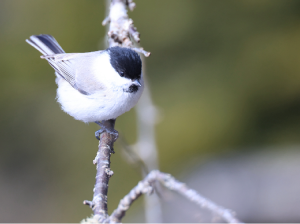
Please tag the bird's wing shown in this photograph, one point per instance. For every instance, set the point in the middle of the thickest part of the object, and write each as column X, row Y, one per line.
column 65, row 69
column 76, row 69
column 88, row 75
column 63, row 64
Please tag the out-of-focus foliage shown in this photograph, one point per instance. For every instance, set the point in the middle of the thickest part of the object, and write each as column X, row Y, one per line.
column 224, row 74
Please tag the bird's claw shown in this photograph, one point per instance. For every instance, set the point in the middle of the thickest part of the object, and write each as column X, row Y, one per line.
column 98, row 133
column 108, row 130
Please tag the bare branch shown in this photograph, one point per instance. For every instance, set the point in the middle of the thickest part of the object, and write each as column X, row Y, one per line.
column 170, row 182
column 102, row 161
column 142, row 188
column 121, row 28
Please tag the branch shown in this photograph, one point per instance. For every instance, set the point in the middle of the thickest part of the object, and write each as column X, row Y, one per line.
column 120, row 32
column 121, row 28
column 145, row 186
column 105, row 148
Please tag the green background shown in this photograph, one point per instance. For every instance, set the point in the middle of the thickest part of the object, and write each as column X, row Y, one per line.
column 225, row 75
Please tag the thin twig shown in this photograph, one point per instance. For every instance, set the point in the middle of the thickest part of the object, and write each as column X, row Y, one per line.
column 145, row 186
column 147, row 117
column 132, row 156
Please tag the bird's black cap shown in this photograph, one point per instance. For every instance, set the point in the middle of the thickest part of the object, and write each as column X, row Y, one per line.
column 126, row 62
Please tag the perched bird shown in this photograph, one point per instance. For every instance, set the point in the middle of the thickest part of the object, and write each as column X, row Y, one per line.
column 94, row 86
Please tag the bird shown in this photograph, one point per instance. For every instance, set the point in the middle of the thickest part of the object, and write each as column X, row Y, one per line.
column 94, row 86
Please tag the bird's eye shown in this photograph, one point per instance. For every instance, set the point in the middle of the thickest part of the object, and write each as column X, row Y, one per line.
column 122, row 74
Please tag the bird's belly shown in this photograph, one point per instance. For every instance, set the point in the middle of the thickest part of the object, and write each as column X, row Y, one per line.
column 95, row 107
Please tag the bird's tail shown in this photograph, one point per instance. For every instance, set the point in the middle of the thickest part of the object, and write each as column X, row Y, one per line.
column 46, row 44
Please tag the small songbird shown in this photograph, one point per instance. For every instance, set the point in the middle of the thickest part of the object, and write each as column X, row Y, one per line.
column 94, row 86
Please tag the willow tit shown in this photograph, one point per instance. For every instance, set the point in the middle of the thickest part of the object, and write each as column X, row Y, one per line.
column 93, row 86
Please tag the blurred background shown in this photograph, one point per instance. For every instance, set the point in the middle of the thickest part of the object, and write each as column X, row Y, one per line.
column 224, row 75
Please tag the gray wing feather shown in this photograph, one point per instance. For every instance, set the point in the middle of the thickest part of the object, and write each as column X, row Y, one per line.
column 48, row 46
column 65, row 64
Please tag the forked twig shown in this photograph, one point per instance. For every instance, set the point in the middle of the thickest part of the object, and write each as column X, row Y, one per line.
column 145, row 186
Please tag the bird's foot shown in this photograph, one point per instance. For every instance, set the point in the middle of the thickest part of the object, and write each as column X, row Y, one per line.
column 106, row 129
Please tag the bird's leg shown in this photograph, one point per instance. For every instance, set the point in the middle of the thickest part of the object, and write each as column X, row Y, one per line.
column 108, row 127
column 105, row 128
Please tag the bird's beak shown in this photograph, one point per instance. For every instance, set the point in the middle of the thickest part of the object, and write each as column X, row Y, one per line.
column 136, row 82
